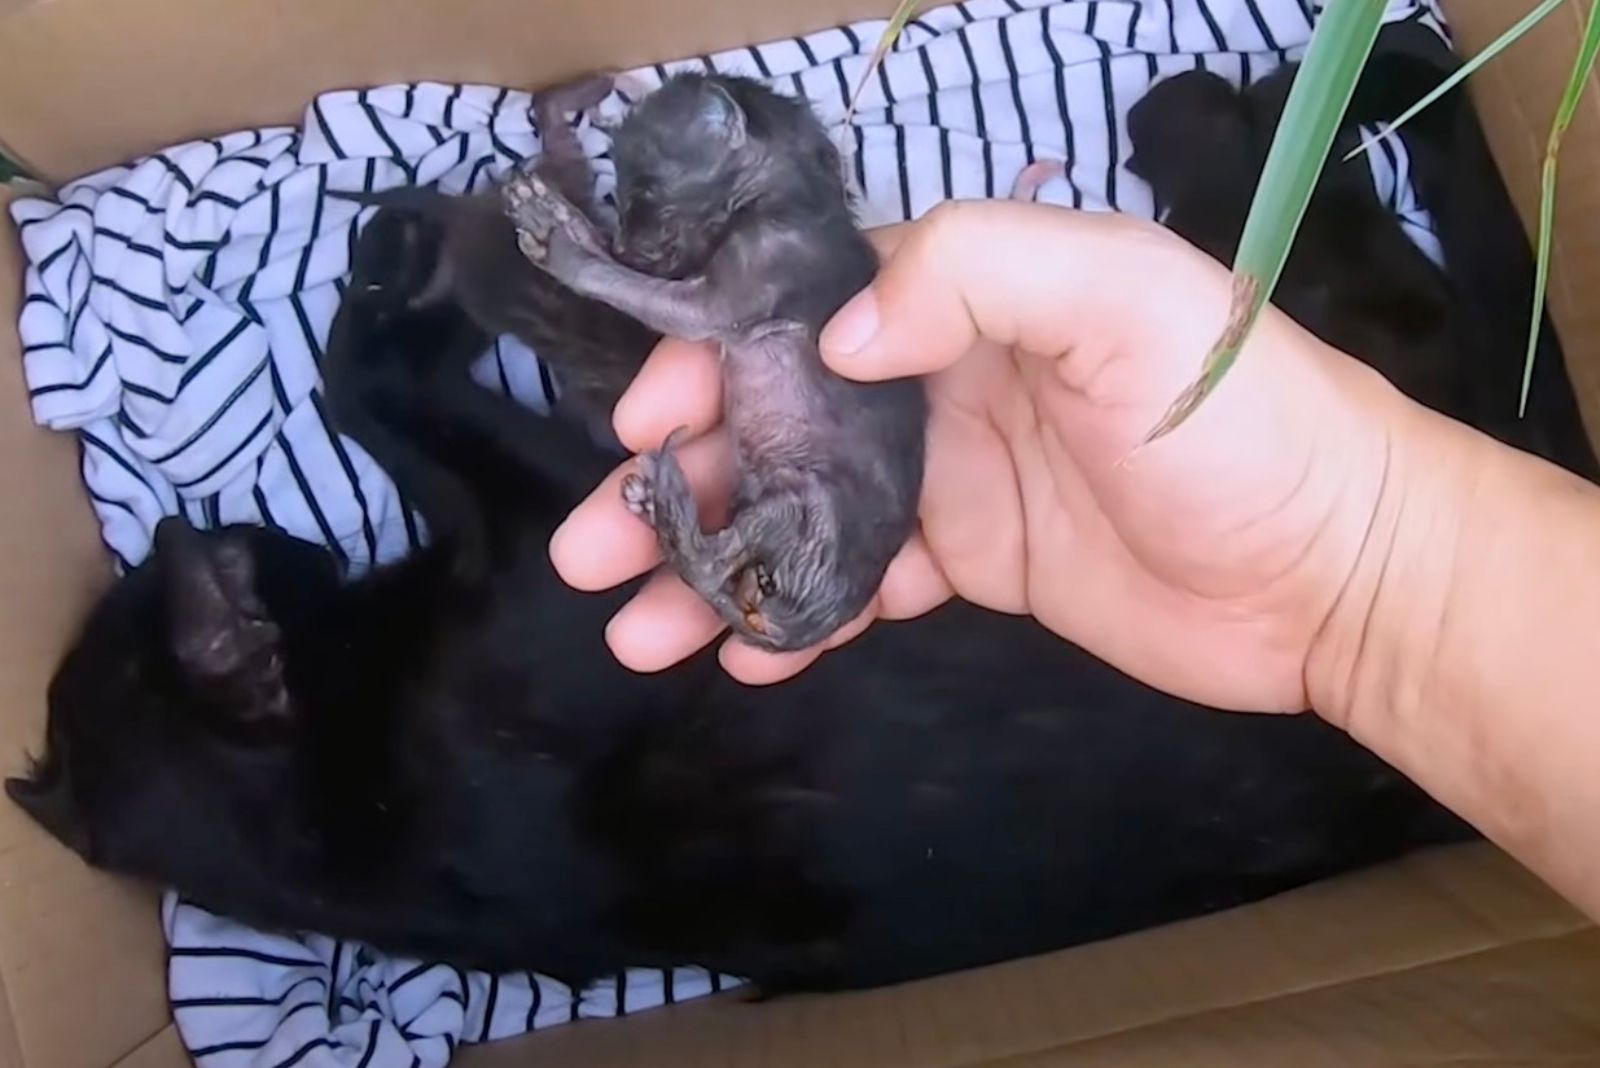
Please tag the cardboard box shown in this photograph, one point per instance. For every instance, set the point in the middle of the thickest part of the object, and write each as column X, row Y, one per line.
column 1446, row 958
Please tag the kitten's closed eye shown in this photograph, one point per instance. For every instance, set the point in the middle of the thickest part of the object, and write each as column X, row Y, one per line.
column 764, row 581
column 751, row 589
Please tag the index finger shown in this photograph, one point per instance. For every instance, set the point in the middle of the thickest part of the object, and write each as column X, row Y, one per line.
column 680, row 384
column 887, row 238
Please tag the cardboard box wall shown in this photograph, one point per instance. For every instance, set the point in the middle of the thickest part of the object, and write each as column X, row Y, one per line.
column 1447, row 958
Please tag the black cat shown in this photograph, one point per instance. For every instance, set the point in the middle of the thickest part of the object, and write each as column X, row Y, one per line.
column 446, row 762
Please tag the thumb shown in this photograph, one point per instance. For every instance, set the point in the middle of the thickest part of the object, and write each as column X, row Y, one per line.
column 1030, row 276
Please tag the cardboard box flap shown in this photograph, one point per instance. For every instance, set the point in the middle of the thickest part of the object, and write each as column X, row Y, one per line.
column 1529, row 1004
column 1516, row 96
column 80, row 954
column 85, row 84
column 165, row 1050
column 1277, row 972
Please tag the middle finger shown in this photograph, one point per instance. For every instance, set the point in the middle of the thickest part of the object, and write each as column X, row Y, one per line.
column 679, row 385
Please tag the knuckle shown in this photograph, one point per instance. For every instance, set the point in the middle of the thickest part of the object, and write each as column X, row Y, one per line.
column 948, row 220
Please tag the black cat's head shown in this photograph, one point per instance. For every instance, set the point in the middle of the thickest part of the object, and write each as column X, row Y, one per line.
column 176, row 694
column 1190, row 133
column 702, row 148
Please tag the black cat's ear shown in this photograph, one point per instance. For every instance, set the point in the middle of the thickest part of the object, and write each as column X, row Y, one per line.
column 721, row 114
column 45, row 795
column 219, row 631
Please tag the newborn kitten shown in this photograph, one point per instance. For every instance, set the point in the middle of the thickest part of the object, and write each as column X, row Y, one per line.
column 592, row 350
column 735, row 225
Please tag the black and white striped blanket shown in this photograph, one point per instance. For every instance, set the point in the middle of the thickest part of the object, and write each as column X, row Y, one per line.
column 176, row 309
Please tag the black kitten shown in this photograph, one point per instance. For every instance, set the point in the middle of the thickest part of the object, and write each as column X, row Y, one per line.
column 1353, row 277
column 738, row 227
column 456, row 768
column 1452, row 339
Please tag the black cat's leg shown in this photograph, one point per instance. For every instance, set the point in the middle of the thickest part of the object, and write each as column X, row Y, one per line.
column 383, row 419
column 547, row 450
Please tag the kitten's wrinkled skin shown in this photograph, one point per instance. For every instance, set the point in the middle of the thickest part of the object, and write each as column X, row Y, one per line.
column 1354, row 277
column 592, row 350
column 735, row 225
column 449, row 764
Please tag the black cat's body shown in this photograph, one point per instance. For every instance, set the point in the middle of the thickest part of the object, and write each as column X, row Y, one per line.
column 449, row 764
column 1453, row 337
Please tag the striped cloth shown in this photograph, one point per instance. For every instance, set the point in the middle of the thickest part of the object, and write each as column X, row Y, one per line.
column 176, row 310
column 243, row 997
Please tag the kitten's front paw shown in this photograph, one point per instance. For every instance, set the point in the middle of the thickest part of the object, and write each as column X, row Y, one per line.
column 551, row 232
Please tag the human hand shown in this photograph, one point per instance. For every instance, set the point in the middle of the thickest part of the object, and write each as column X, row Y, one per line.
column 1204, row 564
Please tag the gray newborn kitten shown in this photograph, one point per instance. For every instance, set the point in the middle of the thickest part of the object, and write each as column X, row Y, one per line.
column 735, row 225
column 592, row 350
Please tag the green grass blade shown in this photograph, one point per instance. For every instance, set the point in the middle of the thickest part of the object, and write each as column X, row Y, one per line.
column 1576, row 81
column 891, row 33
column 1339, row 47
column 1462, row 73
column 1541, row 276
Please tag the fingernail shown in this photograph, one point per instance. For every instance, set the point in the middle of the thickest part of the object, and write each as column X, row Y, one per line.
column 854, row 326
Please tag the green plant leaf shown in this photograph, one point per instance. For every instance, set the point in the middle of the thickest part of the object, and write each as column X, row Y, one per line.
column 1465, row 71
column 9, row 170
column 1576, row 81
column 1322, row 88
column 891, row 33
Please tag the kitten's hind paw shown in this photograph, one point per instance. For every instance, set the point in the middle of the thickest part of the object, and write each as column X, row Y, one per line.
column 639, row 494
column 658, row 492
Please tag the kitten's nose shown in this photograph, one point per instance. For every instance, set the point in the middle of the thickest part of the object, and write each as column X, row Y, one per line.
column 641, row 255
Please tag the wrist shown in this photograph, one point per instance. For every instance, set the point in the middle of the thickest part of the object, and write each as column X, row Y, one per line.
column 1376, row 654
column 1463, row 648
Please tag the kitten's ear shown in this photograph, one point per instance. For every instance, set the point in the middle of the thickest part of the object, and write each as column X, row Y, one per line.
column 45, row 795
column 721, row 114
column 218, row 629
